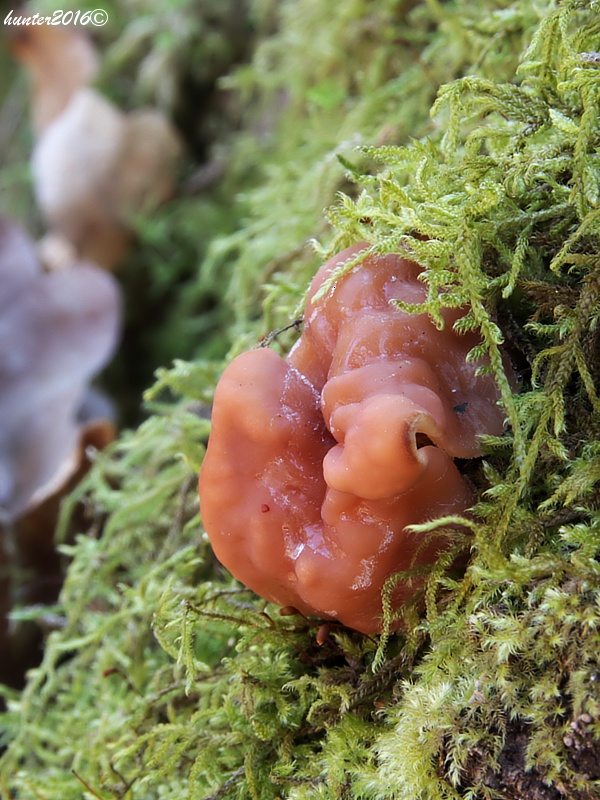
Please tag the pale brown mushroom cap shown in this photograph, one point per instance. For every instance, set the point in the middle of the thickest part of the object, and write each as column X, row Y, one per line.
column 60, row 59
column 94, row 167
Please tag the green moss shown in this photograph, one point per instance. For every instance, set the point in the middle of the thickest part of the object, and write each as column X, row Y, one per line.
column 163, row 677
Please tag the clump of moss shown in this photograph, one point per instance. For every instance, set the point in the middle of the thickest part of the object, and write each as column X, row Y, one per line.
column 329, row 80
column 164, row 678
column 504, row 216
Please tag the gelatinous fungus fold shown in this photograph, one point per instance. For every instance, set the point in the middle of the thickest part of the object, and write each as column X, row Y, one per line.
column 317, row 463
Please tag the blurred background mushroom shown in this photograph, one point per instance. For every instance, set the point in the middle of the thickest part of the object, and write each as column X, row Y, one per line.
column 96, row 172
column 94, row 167
column 57, row 331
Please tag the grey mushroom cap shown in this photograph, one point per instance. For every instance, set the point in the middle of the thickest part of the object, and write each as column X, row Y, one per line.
column 57, row 330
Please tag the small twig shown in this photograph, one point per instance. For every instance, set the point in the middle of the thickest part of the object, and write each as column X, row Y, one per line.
column 117, row 671
column 87, row 786
column 126, row 784
column 388, row 672
column 225, row 787
column 270, row 337
column 563, row 517
column 223, row 617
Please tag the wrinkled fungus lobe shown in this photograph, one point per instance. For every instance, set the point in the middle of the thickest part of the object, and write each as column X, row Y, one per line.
column 318, row 462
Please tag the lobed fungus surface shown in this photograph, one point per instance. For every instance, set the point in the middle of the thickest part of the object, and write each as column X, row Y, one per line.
column 317, row 463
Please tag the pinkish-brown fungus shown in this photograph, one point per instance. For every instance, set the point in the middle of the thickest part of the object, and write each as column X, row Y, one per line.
column 318, row 462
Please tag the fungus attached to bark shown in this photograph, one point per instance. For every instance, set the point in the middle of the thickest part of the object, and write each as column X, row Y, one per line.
column 317, row 463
